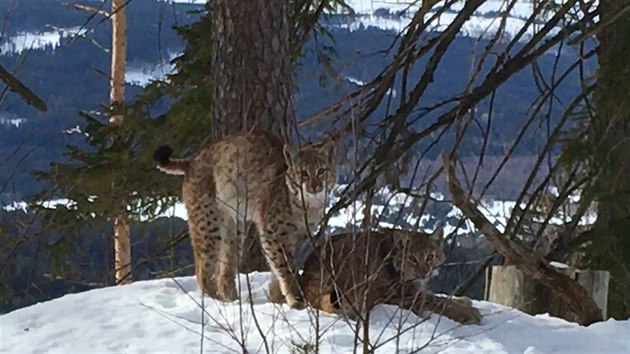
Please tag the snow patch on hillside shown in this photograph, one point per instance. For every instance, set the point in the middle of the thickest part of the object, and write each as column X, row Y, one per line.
column 395, row 15
column 24, row 41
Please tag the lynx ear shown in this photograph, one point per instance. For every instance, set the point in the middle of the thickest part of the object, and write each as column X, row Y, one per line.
column 329, row 149
column 400, row 237
column 290, row 152
column 437, row 234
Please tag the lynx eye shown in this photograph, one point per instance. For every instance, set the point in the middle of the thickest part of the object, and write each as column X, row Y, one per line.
column 322, row 171
column 430, row 257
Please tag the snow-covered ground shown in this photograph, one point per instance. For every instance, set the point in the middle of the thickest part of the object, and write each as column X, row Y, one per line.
column 164, row 316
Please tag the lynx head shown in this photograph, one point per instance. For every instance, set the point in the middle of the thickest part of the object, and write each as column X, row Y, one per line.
column 312, row 169
column 417, row 254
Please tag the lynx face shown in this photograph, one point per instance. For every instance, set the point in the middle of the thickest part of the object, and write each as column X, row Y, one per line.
column 417, row 255
column 312, row 170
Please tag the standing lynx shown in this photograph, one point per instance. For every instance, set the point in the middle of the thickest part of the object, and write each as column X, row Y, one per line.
column 250, row 176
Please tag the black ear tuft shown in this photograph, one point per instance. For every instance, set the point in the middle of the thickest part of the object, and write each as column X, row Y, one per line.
column 163, row 154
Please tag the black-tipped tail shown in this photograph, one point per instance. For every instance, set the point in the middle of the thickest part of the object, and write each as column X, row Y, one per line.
column 169, row 165
column 163, row 154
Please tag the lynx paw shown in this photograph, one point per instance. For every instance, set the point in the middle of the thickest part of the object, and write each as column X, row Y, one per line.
column 275, row 294
column 227, row 292
column 462, row 300
column 467, row 315
column 296, row 304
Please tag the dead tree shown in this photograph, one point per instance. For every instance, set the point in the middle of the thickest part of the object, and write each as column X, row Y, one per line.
column 122, row 237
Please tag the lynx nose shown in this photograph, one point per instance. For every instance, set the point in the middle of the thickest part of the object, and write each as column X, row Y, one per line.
column 315, row 185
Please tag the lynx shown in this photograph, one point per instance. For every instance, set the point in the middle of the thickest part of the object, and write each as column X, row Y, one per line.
column 251, row 177
column 351, row 273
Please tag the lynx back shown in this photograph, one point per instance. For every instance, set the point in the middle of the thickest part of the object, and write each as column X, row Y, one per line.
column 351, row 273
column 245, row 177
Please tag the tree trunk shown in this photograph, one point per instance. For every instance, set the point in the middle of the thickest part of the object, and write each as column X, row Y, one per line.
column 122, row 239
column 122, row 250
column 252, row 78
column 610, row 138
column 251, row 66
column 119, row 57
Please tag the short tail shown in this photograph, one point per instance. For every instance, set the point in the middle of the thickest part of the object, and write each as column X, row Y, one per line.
column 168, row 165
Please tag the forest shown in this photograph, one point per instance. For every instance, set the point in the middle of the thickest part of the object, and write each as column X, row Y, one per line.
column 71, row 79
column 512, row 140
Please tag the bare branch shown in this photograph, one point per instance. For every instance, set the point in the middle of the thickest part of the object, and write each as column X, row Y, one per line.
column 90, row 9
column 574, row 295
column 18, row 87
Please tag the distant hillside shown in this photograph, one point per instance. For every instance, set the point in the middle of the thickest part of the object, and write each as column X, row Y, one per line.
column 70, row 78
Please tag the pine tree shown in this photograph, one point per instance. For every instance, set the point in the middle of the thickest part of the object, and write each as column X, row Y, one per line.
column 609, row 139
column 114, row 167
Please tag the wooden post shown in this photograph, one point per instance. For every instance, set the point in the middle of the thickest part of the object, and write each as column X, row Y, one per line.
column 507, row 285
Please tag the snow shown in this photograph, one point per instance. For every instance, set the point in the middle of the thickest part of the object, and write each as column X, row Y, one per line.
column 395, row 15
column 559, row 265
column 385, row 15
column 10, row 119
column 164, row 316
column 497, row 212
column 25, row 40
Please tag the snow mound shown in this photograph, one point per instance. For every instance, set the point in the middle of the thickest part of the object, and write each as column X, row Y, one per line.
column 163, row 316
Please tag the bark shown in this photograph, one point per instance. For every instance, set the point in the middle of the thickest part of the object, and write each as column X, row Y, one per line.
column 119, row 57
column 610, row 248
column 252, row 78
column 251, row 66
column 122, row 250
column 533, row 265
column 122, row 238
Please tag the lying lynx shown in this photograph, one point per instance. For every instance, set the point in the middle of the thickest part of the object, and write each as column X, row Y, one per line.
column 250, row 176
column 350, row 273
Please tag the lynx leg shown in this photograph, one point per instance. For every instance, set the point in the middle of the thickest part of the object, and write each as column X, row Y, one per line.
column 227, row 265
column 205, row 282
column 204, row 226
column 205, row 246
column 456, row 310
column 273, row 232
column 463, row 300
column 275, row 293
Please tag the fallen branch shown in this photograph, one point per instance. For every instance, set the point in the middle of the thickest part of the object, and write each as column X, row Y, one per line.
column 571, row 293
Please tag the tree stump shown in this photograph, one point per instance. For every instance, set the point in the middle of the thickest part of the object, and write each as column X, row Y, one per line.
column 507, row 285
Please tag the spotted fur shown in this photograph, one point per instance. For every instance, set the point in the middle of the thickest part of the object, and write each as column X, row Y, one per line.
column 352, row 272
column 251, row 176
